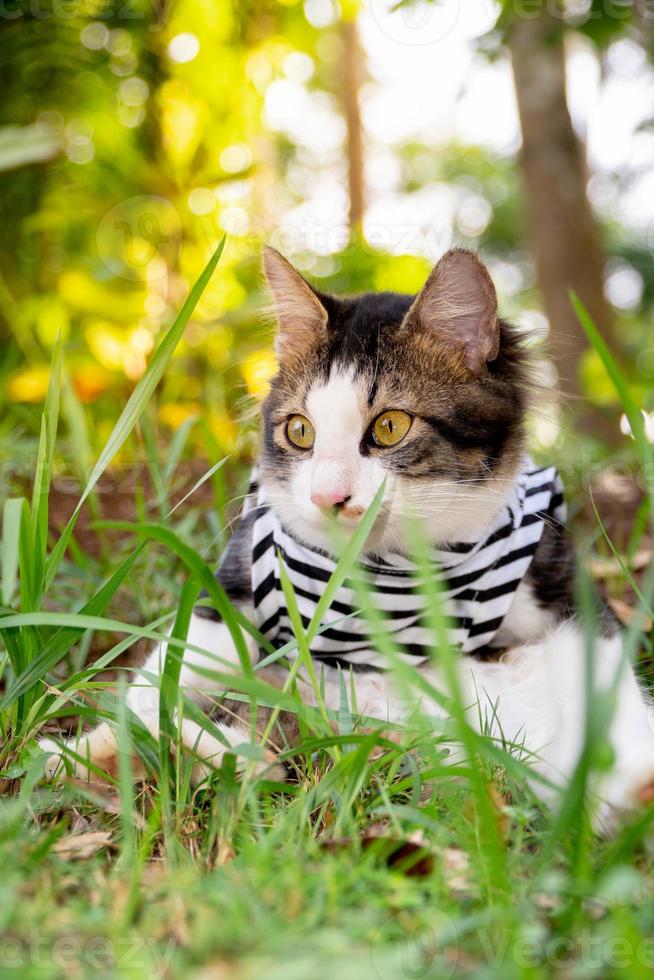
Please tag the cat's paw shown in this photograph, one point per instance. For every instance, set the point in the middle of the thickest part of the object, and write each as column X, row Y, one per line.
column 93, row 757
column 270, row 768
column 639, row 787
column 645, row 792
column 54, row 764
column 267, row 767
column 626, row 794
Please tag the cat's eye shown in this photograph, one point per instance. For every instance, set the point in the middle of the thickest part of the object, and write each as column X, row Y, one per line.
column 300, row 432
column 390, row 427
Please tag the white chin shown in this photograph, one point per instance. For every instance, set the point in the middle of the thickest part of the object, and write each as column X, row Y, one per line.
column 312, row 528
column 325, row 534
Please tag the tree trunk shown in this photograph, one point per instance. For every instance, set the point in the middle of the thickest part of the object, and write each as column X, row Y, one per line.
column 350, row 95
column 562, row 228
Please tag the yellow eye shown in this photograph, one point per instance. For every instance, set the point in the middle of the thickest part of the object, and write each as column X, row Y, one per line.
column 300, row 432
column 389, row 428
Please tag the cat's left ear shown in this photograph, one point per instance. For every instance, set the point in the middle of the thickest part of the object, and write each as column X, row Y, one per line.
column 301, row 317
column 458, row 304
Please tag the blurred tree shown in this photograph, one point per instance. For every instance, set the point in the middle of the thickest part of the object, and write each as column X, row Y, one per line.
column 129, row 143
column 564, row 232
column 352, row 76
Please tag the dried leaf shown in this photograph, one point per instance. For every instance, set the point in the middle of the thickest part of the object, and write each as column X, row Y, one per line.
column 103, row 796
column 409, row 855
column 456, row 868
column 500, row 802
column 603, row 568
column 79, row 823
column 628, row 615
column 219, row 970
column 224, row 854
column 642, row 559
column 75, row 847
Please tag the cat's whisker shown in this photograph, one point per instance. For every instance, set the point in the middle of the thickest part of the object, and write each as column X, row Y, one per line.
column 455, row 484
column 460, row 498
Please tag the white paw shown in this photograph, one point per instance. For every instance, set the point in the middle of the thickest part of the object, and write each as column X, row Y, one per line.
column 269, row 768
column 626, row 793
column 90, row 755
column 54, row 764
column 266, row 768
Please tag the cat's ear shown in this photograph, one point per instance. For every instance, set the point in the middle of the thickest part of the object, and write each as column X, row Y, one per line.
column 458, row 304
column 301, row 317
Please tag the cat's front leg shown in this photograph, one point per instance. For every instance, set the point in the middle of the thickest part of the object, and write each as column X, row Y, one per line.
column 97, row 750
column 535, row 697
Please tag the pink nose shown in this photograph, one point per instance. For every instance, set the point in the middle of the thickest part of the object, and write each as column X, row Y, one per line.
column 329, row 498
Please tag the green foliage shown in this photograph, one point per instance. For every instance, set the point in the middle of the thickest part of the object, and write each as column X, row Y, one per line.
column 600, row 20
column 114, row 192
column 25, row 533
column 378, row 844
column 129, row 163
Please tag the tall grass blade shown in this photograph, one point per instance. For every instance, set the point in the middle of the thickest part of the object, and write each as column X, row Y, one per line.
column 196, row 486
column 201, row 571
column 346, row 562
column 135, row 405
column 169, row 685
column 44, row 460
column 58, row 645
column 176, row 448
column 11, row 521
column 631, row 409
column 492, row 850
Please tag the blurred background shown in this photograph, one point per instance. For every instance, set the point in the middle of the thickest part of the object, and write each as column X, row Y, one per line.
column 362, row 139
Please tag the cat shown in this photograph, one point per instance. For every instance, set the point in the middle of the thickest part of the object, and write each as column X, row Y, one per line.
column 426, row 396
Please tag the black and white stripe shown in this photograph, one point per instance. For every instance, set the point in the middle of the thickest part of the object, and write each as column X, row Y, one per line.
column 478, row 580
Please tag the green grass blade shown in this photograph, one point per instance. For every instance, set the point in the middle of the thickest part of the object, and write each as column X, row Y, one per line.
column 176, row 448
column 633, row 584
column 45, row 455
column 135, row 405
column 80, row 621
column 11, row 522
column 492, row 850
column 343, row 569
column 169, row 684
column 203, row 573
column 304, row 653
column 29, row 581
column 149, row 436
column 346, row 562
column 631, row 409
column 85, row 674
column 125, row 777
column 58, row 645
column 78, row 428
column 196, row 486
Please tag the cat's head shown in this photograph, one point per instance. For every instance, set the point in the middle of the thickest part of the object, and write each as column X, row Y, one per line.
column 426, row 391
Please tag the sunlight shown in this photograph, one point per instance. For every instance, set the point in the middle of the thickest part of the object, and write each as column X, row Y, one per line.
column 184, row 47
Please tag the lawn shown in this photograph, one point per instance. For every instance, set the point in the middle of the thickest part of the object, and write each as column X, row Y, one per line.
column 378, row 857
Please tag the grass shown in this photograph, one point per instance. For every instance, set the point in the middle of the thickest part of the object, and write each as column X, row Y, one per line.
column 376, row 860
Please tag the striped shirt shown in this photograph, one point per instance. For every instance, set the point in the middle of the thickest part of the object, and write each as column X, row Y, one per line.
column 478, row 581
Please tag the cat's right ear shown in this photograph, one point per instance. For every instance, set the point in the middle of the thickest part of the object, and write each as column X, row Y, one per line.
column 301, row 317
column 457, row 306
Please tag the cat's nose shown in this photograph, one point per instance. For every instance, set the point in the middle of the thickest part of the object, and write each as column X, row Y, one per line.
column 326, row 499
